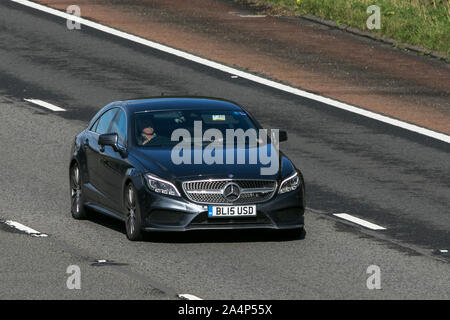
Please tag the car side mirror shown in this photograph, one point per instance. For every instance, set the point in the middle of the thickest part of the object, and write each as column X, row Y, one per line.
column 112, row 139
column 109, row 139
column 282, row 135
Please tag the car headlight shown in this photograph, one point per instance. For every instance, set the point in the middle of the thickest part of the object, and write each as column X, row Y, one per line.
column 161, row 186
column 290, row 184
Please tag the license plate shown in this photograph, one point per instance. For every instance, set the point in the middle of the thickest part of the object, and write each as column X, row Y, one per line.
column 231, row 211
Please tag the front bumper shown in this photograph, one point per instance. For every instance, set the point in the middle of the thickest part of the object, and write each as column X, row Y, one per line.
column 163, row 213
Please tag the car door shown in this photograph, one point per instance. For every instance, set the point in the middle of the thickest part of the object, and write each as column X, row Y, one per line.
column 113, row 165
column 95, row 188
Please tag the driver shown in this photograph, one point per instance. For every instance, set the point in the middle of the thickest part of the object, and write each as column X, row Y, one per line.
column 147, row 134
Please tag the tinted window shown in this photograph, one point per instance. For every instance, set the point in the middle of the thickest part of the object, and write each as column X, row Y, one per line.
column 155, row 128
column 119, row 126
column 105, row 121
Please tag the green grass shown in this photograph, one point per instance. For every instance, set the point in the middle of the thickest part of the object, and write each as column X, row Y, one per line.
column 425, row 23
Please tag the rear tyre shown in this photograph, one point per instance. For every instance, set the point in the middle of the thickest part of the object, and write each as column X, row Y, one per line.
column 77, row 208
column 133, row 222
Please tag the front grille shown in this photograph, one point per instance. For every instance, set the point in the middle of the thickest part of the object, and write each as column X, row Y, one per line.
column 211, row 191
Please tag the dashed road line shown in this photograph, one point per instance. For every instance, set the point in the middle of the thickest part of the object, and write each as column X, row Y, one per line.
column 251, row 77
column 45, row 105
column 445, row 253
column 105, row 262
column 186, row 296
column 24, row 229
column 359, row 221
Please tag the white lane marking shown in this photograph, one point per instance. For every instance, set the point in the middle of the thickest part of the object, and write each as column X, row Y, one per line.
column 25, row 229
column 340, row 105
column 252, row 15
column 45, row 105
column 186, row 296
column 359, row 221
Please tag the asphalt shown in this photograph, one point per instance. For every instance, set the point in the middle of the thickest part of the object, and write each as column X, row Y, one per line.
column 377, row 172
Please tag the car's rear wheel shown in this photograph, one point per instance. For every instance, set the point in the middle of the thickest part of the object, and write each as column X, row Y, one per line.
column 133, row 221
column 77, row 200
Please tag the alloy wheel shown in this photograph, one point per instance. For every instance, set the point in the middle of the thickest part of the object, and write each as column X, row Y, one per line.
column 75, row 189
column 131, row 210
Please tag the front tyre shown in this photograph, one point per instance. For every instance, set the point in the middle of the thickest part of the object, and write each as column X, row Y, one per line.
column 76, row 195
column 133, row 222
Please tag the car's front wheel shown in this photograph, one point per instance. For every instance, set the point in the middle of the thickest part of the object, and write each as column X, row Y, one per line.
column 133, row 221
column 77, row 200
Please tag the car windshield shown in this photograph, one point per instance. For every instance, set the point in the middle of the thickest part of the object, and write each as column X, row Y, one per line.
column 155, row 128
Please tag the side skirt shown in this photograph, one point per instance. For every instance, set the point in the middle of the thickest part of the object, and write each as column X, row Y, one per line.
column 104, row 211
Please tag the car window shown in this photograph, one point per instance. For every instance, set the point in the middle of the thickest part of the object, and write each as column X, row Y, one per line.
column 119, row 126
column 105, row 121
column 155, row 128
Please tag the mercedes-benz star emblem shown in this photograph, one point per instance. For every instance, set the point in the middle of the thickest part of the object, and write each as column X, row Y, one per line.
column 231, row 191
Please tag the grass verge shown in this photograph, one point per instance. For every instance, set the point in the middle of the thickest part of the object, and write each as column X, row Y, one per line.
column 423, row 23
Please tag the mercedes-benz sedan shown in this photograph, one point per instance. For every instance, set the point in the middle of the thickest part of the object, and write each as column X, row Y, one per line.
column 176, row 164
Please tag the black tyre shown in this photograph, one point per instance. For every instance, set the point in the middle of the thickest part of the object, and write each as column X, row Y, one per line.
column 76, row 195
column 133, row 222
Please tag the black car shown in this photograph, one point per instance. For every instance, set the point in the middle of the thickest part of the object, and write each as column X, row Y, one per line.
column 126, row 164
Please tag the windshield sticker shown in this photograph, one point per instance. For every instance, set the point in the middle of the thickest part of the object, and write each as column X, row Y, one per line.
column 218, row 117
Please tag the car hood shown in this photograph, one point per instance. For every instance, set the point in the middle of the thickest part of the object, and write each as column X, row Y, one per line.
column 158, row 161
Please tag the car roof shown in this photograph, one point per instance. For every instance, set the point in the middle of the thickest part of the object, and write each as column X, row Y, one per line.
column 179, row 103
